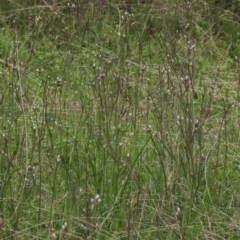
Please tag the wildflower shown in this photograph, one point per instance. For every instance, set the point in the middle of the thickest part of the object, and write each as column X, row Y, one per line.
column 64, row 227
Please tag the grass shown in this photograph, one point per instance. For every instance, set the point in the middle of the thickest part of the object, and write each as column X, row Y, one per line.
column 119, row 121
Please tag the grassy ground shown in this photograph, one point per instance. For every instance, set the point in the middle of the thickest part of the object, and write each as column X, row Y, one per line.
column 119, row 121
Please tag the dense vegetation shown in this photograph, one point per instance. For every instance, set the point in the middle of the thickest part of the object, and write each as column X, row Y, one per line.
column 119, row 120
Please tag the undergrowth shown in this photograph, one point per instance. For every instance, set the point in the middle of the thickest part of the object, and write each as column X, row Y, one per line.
column 119, row 120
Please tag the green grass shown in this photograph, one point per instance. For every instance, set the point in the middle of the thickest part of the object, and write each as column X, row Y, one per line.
column 118, row 125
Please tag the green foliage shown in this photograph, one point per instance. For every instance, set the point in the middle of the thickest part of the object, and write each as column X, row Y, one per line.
column 119, row 120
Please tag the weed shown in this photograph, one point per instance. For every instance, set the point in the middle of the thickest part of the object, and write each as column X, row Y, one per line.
column 119, row 120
